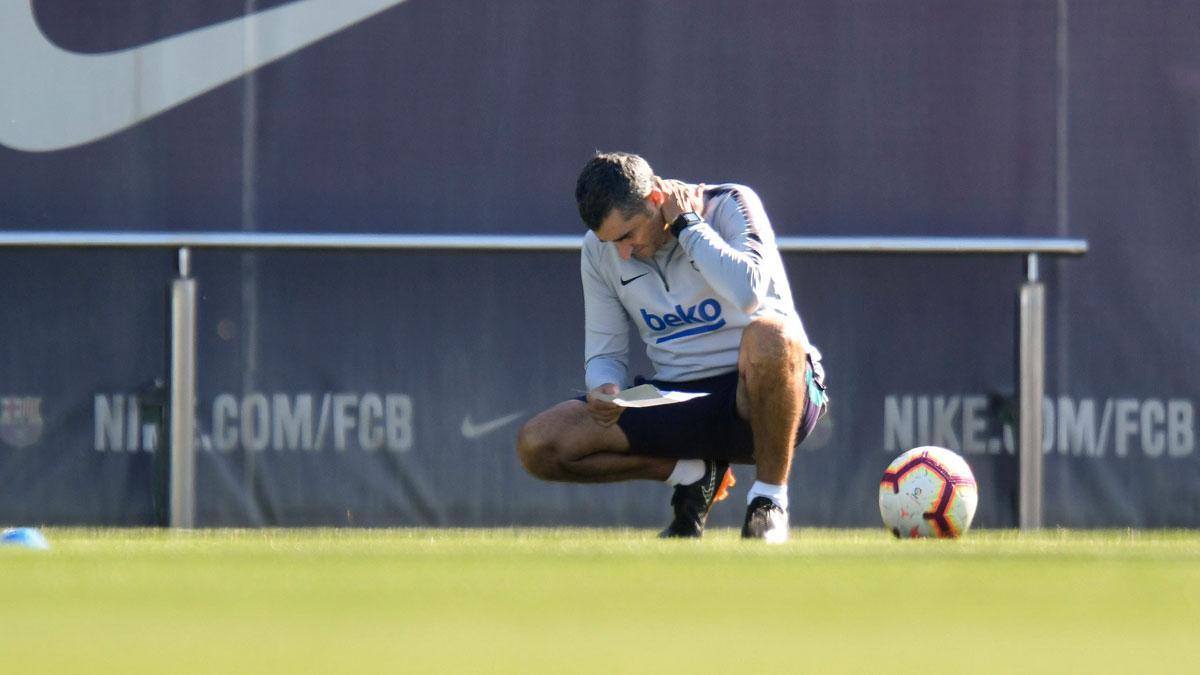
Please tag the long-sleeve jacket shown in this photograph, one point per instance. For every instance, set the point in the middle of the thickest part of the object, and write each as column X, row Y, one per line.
column 691, row 301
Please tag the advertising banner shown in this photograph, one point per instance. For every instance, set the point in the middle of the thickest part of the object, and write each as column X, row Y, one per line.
column 386, row 388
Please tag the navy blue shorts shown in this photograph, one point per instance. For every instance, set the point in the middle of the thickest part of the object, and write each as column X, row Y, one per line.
column 709, row 427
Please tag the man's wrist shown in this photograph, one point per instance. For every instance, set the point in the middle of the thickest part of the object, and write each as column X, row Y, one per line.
column 684, row 221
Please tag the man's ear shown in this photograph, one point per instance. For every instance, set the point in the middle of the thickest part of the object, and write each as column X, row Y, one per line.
column 657, row 197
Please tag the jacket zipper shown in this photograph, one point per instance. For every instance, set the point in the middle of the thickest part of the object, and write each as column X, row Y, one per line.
column 661, row 274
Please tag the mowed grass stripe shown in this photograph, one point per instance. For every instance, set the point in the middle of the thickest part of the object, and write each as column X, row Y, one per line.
column 593, row 601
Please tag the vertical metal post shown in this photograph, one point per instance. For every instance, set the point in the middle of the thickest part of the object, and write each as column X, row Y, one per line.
column 1032, row 391
column 183, row 395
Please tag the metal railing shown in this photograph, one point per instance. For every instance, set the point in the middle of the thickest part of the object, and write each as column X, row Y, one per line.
column 516, row 242
column 1031, row 321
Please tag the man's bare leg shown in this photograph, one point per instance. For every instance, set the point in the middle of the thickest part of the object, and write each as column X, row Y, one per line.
column 565, row 444
column 771, row 395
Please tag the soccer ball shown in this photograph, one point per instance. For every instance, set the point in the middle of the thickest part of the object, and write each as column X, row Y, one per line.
column 928, row 492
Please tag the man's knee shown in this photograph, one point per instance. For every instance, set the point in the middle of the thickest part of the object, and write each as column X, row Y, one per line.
column 770, row 344
column 536, row 448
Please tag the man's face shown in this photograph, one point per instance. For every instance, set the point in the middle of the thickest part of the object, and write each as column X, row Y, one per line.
column 638, row 235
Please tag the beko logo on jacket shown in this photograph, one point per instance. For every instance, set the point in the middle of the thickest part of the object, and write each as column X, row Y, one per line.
column 703, row 317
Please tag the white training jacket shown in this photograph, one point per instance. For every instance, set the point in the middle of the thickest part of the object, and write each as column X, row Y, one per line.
column 692, row 300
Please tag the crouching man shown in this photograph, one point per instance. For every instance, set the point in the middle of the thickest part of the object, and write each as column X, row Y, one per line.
column 697, row 270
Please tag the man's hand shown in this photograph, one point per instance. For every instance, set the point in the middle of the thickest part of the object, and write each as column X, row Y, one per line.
column 604, row 413
column 678, row 197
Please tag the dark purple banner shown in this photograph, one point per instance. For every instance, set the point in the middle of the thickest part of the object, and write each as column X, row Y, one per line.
column 373, row 388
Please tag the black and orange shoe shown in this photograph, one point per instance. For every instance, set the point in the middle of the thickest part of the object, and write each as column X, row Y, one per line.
column 693, row 502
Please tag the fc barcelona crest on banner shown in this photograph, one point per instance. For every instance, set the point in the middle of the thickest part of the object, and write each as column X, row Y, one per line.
column 20, row 420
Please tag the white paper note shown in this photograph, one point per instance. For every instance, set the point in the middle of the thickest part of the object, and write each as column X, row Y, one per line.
column 648, row 395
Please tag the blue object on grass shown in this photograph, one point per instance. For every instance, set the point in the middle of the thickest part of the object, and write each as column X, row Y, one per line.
column 29, row 537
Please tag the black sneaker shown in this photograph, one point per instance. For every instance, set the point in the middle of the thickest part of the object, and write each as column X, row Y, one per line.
column 693, row 502
column 766, row 521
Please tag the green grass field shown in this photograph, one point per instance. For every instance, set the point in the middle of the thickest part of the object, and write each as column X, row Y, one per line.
column 598, row 601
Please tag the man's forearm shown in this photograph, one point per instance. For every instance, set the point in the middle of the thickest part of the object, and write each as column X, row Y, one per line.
column 734, row 274
column 605, row 370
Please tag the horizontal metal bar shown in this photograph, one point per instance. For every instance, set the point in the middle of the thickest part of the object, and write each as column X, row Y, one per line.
column 951, row 245
column 514, row 242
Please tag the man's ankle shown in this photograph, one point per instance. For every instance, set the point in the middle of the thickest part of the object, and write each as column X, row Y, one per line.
column 776, row 493
column 686, row 472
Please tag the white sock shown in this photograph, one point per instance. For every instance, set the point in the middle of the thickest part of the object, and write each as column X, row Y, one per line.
column 776, row 493
column 686, row 472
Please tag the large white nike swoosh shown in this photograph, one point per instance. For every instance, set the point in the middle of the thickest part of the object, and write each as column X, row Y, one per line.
column 472, row 431
column 51, row 98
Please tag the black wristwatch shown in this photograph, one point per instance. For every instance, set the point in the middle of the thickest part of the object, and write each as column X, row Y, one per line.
column 684, row 221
